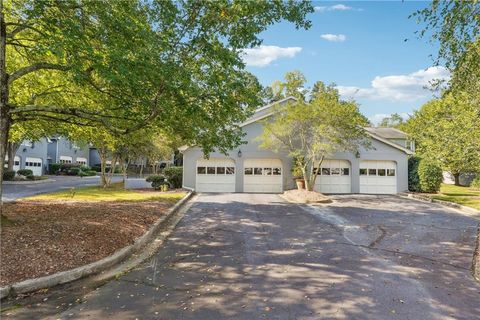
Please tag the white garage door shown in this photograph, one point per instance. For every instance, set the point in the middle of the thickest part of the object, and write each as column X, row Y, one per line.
column 34, row 164
column 378, row 177
column 16, row 163
column 262, row 175
column 66, row 159
column 82, row 160
column 334, row 176
column 215, row 175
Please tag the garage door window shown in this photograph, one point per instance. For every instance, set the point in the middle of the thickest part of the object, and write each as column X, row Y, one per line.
column 248, row 171
column 381, row 172
column 372, row 172
column 277, row 171
column 220, row 170
column 363, row 172
column 230, row 170
column 257, row 171
column 267, row 171
column 378, row 172
column 391, row 172
column 345, row 171
column 325, row 171
column 210, row 170
column 335, row 171
column 201, row 170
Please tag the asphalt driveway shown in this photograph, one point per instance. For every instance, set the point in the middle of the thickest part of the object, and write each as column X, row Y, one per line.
column 254, row 256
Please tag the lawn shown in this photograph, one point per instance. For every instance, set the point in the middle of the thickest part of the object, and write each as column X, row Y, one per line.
column 461, row 195
column 113, row 193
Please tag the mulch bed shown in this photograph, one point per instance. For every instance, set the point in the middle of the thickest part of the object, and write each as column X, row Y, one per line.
column 304, row 196
column 45, row 237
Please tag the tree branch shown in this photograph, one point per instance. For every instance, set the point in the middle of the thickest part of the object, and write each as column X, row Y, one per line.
column 35, row 67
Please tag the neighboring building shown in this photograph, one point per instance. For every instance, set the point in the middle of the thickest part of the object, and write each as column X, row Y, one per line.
column 61, row 150
column 395, row 136
column 382, row 169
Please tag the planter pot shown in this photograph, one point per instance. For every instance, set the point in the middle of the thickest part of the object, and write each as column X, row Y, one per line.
column 300, row 184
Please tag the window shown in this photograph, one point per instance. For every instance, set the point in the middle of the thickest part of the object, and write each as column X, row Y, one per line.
column 325, row 171
column 391, row 172
column 257, row 171
column 335, row 171
column 315, row 171
column 210, row 170
column 16, row 163
column 372, row 172
column 363, row 172
column 201, row 170
column 381, row 172
column 230, row 170
column 277, row 171
column 248, row 171
column 345, row 171
column 268, row 171
column 220, row 170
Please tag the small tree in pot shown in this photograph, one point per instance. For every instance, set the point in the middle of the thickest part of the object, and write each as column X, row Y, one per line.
column 297, row 173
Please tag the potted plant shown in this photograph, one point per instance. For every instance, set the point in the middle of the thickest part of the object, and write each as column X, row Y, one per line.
column 298, row 175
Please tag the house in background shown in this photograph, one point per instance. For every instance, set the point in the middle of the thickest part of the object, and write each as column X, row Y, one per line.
column 382, row 169
column 61, row 150
column 393, row 135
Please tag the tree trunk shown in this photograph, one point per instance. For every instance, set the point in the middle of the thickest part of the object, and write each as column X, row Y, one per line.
column 456, row 176
column 103, row 164
column 5, row 119
column 12, row 148
column 476, row 258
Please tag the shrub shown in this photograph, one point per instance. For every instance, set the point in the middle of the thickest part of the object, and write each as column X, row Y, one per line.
column 157, row 181
column 174, row 176
column 431, row 176
column 413, row 178
column 31, row 177
column 475, row 183
column 85, row 168
column 8, row 175
column 97, row 168
column 25, row 172
column 54, row 167
column 73, row 171
column 90, row 173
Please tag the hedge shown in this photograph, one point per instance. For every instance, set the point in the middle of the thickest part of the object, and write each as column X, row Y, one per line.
column 413, row 178
column 25, row 172
column 174, row 176
column 8, row 175
column 431, row 176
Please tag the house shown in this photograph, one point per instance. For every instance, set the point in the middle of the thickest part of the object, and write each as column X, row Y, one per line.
column 382, row 169
column 37, row 155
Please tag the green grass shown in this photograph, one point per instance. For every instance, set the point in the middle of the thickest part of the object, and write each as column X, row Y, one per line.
column 113, row 193
column 461, row 195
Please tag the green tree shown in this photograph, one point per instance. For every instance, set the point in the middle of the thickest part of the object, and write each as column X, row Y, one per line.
column 310, row 132
column 127, row 64
column 393, row 121
column 447, row 132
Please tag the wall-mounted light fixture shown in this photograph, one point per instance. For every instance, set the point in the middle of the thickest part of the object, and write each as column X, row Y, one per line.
column 357, row 154
column 24, row 150
column 239, row 154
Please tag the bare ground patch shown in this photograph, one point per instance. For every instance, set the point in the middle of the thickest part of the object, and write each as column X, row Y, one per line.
column 45, row 237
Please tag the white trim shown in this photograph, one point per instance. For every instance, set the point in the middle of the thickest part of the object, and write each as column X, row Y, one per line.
column 392, row 144
column 275, row 102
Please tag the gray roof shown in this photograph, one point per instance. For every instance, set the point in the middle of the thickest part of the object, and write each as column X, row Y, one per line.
column 387, row 133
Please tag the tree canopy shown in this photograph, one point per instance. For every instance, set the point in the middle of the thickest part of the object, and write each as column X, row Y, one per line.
column 311, row 131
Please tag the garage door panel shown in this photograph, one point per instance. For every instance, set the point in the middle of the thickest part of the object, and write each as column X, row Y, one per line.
column 378, row 177
column 34, row 164
column 263, row 176
column 215, row 175
column 329, row 182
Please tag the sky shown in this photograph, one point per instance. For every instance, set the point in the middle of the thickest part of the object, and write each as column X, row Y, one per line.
column 360, row 46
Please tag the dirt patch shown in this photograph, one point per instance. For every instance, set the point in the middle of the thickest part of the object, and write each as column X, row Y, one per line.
column 45, row 237
column 304, row 196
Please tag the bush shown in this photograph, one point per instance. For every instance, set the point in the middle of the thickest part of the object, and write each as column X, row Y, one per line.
column 54, row 167
column 8, row 175
column 431, row 176
column 30, row 177
column 85, row 168
column 413, row 178
column 73, row 171
column 475, row 183
column 90, row 173
column 157, row 181
column 174, row 176
column 25, row 172
column 97, row 168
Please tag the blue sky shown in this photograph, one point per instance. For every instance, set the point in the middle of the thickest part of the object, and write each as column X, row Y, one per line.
column 359, row 46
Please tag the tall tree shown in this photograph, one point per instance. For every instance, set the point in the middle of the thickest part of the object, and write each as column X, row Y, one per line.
column 393, row 121
column 310, row 132
column 447, row 132
column 126, row 64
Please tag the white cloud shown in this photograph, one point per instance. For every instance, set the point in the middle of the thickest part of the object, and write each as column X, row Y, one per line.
column 264, row 55
column 377, row 118
column 407, row 87
column 337, row 7
column 333, row 37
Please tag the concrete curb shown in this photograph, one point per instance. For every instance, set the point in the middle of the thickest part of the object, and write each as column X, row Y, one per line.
column 465, row 209
column 63, row 277
column 29, row 182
